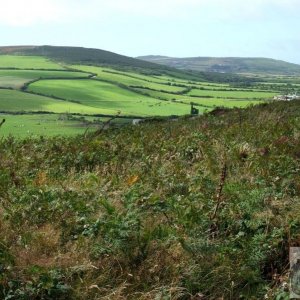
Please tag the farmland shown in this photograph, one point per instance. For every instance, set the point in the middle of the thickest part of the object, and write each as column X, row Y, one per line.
column 17, row 101
column 39, row 84
column 232, row 94
column 17, row 78
column 27, row 62
column 53, row 124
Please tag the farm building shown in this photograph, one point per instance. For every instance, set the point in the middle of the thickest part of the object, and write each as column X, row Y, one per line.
column 287, row 97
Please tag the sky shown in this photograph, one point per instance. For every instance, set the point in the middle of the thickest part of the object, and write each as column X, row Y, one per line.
column 179, row 28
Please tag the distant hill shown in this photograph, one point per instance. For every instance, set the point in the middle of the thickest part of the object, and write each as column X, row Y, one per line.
column 227, row 64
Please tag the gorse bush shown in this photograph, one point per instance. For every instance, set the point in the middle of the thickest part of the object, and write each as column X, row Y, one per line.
column 200, row 208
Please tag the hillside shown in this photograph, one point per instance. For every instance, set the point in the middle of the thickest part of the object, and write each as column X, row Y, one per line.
column 80, row 94
column 202, row 208
column 96, row 57
column 227, row 64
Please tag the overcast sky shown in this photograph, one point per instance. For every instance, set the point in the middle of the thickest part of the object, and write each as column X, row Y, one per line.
column 260, row 28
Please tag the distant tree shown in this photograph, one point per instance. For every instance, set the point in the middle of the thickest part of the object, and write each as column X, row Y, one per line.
column 194, row 111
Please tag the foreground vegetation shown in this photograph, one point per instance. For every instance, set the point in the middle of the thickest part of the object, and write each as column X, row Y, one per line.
column 202, row 208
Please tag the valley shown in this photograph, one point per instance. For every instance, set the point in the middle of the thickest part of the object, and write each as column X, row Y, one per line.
column 53, row 83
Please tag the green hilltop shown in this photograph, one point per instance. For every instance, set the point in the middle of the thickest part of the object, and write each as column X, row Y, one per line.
column 95, row 57
column 78, row 55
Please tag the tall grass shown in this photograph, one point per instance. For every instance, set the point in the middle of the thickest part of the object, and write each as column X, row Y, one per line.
column 202, row 208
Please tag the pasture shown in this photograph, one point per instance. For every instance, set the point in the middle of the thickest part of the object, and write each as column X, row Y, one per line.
column 17, row 101
column 17, row 78
column 206, row 102
column 103, row 95
column 28, row 62
column 36, row 125
column 130, row 79
column 232, row 94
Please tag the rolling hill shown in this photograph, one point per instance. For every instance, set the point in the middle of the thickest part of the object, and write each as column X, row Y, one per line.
column 227, row 64
column 78, row 55
column 87, row 84
column 96, row 57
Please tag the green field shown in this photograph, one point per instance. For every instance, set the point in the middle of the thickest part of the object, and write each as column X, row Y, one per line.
column 16, row 101
column 202, row 101
column 217, row 102
column 36, row 83
column 98, row 70
column 28, row 62
column 17, row 78
column 98, row 94
column 130, row 79
column 232, row 94
column 190, row 82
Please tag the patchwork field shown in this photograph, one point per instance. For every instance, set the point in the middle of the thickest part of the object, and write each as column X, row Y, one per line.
column 231, row 94
column 28, row 62
column 17, row 78
column 103, row 95
column 131, row 79
column 37, row 84
column 17, row 101
column 22, row 125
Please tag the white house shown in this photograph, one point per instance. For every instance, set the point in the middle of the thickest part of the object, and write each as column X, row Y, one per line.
column 287, row 97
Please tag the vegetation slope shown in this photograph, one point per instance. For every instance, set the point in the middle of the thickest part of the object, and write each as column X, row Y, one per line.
column 201, row 208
